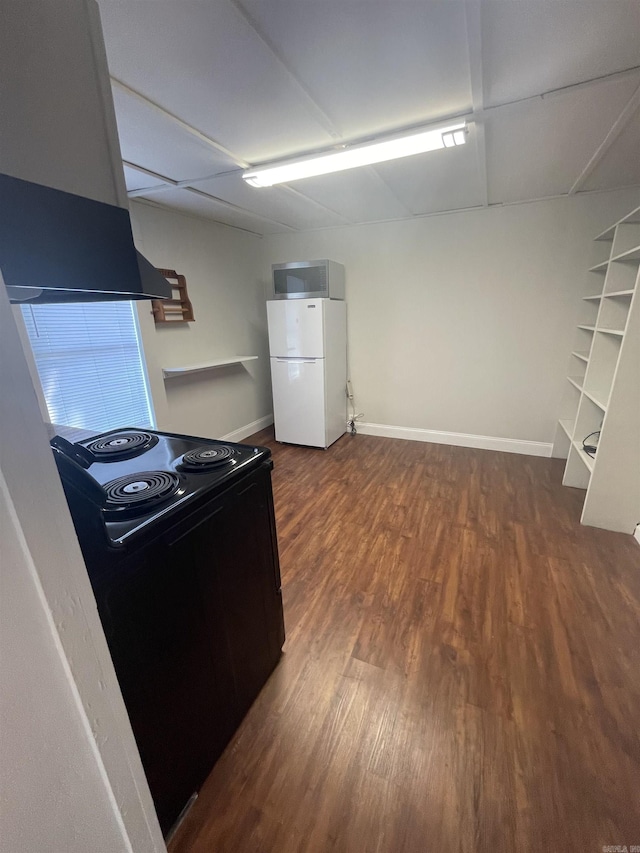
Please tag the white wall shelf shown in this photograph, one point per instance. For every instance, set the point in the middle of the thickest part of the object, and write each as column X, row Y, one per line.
column 632, row 218
column 606, row 400
column 588, row 460
column 617, row 293
column 170, row 372
column 567, row 426
column 632, row 254
column 595, row 400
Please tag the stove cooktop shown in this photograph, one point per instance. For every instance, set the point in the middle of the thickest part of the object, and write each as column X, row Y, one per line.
column 120, row 445
column 141, row 476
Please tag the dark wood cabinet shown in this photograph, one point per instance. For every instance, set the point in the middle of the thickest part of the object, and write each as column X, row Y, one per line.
column 243, row 590
column 194, row 624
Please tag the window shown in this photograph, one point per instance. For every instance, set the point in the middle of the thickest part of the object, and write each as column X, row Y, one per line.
column 90, row 364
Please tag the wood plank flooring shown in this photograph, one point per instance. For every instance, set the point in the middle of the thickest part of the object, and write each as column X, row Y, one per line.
column 462, row 665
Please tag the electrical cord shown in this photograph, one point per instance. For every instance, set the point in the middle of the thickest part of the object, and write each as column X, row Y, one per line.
column 351, row 423
column 590, row 449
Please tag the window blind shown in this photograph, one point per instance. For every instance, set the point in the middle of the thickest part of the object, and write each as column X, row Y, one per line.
column 90, row 365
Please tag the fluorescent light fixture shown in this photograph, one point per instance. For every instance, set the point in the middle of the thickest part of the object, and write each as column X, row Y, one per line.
column 453, row 137
column 365, row 154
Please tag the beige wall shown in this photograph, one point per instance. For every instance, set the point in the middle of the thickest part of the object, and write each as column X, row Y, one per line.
column 71, row 778
column 463, row 323
column 59, row 125
column 222, row 268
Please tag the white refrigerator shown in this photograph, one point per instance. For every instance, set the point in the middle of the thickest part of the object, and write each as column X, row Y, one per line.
column 308, row 348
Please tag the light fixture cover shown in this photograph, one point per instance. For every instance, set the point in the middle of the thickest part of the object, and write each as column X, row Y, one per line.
column 365, row 154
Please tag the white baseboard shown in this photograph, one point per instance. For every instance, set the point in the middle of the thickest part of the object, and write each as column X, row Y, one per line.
column 249, row 429
column 459, row 439
column 636, row 535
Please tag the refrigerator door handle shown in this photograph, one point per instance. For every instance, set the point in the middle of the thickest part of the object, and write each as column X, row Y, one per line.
column 296, row 360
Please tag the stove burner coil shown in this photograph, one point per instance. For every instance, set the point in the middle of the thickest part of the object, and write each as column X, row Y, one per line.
column 205, row 458
column 121, row 445
column 140, row 490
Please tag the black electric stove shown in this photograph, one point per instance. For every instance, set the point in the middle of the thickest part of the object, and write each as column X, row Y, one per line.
column 178, row 536
column 138, row 478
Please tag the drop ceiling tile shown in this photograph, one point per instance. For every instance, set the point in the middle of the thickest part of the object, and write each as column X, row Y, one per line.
column 151, row 140
column 279, row 204
column 204, row 63
column 448, row 179
column 540, row 147
column 136, row 180
column 534, row 46
column 359, row 195
column 197, row 205
column 620, row 166
column 372, row 66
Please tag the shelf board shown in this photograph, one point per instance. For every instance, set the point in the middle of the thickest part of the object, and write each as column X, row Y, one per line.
column 618, row 332
column 616, row 293
column 594, row 298
column 629, row 255
column 629, row 219
column 588, row 328
column 169, row 372
column 588, row 460
column 601, row 267
column 607, row 235
column 594, row 400
column 583, row 356
column 577, row 382
column 567, row 426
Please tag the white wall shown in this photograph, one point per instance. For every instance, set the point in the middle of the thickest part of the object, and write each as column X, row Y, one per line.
column 463, row 323
column 53, row 796
column 59, row 126
column 222, row 267
column 71, row 780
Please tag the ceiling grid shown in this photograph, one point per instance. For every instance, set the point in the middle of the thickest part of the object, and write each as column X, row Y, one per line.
column 203, row 91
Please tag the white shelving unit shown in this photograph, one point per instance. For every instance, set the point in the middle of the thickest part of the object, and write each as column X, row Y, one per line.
column 170, row 372
column 603, row 385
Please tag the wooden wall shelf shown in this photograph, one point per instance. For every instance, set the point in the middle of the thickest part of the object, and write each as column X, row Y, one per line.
column 178, row 309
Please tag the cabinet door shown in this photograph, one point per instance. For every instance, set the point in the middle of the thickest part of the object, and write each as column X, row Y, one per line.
column 245, row 585
column 164, row 652
column 194, row 626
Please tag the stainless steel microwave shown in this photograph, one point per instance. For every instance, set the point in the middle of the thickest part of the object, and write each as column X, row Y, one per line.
column 308, row 280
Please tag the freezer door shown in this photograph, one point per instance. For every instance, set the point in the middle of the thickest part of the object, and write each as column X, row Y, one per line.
column 296, row 328
column 299, row 401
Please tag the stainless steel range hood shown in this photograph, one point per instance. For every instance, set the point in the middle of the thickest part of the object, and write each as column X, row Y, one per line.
column 59, row 247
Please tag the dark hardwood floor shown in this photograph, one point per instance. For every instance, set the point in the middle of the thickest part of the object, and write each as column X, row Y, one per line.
column 462, row 665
